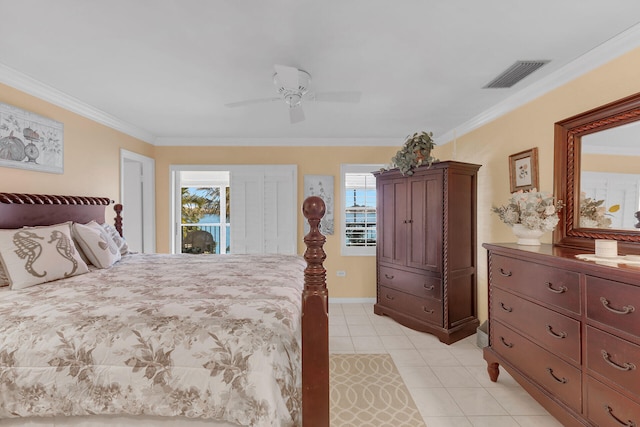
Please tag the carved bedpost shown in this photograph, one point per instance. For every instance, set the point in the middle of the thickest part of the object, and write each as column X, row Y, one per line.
column 315, row 322
column 118, row 218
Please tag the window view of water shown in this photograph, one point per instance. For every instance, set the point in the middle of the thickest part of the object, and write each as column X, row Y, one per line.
column 201, row 229
column 360, row 217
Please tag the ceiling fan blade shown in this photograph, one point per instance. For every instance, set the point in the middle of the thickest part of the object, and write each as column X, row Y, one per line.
column 296, row 114
column 336, row 96
column 251, row 101
column 288, row 76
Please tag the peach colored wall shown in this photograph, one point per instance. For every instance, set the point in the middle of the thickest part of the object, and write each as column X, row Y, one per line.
column 91, row 154
column 532, row 125
column 360, row 281
column 608, row 163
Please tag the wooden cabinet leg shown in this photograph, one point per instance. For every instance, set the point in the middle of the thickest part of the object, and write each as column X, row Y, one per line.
column 492, row 369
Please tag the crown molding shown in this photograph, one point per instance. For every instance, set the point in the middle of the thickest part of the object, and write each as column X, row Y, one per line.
column 276, row 142
column 600, row 55
column 29, row 85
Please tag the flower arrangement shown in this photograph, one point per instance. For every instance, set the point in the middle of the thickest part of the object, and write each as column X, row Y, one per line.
column 533, row 209
column 593, row 214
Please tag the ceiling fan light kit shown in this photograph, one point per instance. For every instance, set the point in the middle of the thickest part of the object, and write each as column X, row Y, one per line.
column 293, row 86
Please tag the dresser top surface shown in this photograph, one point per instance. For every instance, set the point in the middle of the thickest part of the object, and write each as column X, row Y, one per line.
column 563, row 257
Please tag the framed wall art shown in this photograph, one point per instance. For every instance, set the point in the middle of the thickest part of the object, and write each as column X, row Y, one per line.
column 523, row 170
column 321, row 186
column 30, row 141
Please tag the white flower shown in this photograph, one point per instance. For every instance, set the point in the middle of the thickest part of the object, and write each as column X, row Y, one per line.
column 533, row 209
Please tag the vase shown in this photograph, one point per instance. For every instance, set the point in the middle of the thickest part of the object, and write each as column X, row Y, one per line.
column 527, row 236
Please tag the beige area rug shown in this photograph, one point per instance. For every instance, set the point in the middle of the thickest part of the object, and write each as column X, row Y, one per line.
column 367, row 390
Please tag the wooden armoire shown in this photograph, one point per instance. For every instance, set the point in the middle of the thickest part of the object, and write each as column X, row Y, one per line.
column 426, row 248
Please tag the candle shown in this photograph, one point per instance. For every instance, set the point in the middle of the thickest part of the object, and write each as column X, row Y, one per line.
column 606, row 248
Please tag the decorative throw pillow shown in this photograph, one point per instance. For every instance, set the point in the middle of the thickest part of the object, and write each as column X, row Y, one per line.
column 4, row 280
column 34, row 255
column 97, row 245
column 117, row 238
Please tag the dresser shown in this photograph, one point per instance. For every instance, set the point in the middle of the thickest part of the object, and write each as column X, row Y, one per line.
column 568, row 331
column 426, row 249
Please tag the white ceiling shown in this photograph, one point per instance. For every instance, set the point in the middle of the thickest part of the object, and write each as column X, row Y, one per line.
column 163, row 70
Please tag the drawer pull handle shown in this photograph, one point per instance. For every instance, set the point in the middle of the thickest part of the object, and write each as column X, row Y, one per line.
column 555, row 335
column 505, row 273
column 429, row 288
column 560, row 380
column 625, row 310
column 389, row 276
column 609, row 410
column 506, row 308
column 624, row 367
column 389, row 297
column 506, row 344
column 560, row 290
column 428, row 311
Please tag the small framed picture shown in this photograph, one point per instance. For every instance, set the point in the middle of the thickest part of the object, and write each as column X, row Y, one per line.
column 523, row 170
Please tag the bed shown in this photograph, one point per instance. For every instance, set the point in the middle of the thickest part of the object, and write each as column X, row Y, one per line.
column 157, row 339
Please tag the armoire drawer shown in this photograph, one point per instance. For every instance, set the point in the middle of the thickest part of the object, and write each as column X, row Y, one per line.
column 545, row 369
column 613, row 303
column 614, row 358
column 553, row 331
column 546, row 284
column 607, row 407
column 412, row 283
column 425, row 309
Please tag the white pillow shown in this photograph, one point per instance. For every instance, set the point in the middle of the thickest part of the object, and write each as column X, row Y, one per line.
column 97, row 245
column 4, row 280
column 34, row 255
column 117, row 238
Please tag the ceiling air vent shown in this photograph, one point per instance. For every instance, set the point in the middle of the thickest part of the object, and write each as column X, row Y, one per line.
column 512, row 75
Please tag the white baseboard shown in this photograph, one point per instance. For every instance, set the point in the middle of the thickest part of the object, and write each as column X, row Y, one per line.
column 352, row 300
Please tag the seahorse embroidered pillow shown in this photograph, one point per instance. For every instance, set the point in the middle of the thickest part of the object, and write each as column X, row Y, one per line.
column 35, row 255
column 97, row 244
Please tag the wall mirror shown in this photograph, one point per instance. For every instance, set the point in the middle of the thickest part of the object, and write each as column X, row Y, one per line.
column 597, row 175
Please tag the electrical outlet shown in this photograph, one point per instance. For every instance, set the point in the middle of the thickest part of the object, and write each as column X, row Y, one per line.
column 341, row 273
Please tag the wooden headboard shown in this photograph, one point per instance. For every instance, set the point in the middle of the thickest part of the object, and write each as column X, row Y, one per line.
column 19, row 210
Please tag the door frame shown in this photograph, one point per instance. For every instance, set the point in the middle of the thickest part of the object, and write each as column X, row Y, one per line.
column 148, row 196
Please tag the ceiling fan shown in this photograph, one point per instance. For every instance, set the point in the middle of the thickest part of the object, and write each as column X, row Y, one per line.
column 293, row 86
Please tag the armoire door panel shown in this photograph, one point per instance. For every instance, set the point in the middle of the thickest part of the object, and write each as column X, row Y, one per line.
column 401, row 225
column 416, row 251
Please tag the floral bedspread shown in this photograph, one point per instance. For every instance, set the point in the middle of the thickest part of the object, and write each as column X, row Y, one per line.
column 201, row 336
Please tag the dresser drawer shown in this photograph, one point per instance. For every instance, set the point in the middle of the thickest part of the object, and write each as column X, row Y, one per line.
column 425, row 309
column 550, row 285
column 547, row 370
column 614, row 358
column 412, row 283
column 557, row 333
column 606, row 407
column 613, row 303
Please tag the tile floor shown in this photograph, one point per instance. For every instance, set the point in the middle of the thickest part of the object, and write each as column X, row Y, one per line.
column 449, row 383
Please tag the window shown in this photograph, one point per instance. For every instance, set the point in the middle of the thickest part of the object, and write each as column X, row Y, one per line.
column 205, row 225
column 358, row 217
column 242, row 208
